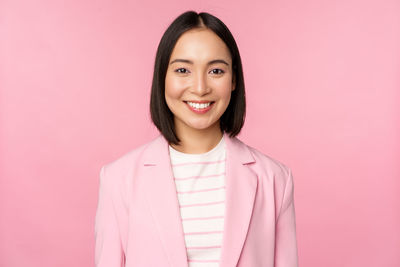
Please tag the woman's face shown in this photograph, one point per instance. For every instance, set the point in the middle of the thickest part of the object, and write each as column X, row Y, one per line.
column 198, row 82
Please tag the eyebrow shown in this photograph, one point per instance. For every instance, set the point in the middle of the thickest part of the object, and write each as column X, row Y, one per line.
column 191, row 62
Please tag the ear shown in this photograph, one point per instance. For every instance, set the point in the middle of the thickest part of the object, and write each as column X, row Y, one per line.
column 233, row 82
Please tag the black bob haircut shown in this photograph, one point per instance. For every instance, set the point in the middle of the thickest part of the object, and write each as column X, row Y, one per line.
column 233, row 118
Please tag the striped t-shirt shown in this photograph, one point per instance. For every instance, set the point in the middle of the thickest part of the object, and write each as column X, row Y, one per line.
column 200, row 186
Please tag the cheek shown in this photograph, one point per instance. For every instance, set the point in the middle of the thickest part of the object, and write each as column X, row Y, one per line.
column 173, row 87
column 223, row 88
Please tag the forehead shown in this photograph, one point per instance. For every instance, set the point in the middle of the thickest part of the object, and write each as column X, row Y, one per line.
column 200, row 44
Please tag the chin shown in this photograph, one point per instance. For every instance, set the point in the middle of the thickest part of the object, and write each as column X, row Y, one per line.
column 197, row 127
column 201, row 126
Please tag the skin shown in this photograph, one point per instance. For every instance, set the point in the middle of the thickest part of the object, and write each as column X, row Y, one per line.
column 198, row 80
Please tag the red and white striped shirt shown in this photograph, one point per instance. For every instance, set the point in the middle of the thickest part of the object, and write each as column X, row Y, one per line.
column 200, row 186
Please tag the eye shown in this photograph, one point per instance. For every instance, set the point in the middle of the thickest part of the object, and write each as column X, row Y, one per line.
column 181, row 70
column 217, row 71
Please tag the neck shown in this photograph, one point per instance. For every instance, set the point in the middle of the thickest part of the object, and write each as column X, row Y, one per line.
column 198, row 141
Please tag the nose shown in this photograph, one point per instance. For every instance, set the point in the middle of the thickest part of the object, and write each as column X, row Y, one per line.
column 200, row 85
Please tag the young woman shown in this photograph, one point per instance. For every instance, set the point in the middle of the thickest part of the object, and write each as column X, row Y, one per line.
column 196, row 195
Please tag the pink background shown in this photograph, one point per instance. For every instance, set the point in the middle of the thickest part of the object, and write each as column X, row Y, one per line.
column 323, row 88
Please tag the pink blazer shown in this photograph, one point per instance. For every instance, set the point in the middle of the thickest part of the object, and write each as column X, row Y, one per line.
column 137, row 222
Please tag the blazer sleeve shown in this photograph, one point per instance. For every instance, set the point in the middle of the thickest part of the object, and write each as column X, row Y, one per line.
column 108, row 245
column 286, row 243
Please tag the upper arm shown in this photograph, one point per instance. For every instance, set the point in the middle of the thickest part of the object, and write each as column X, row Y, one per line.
column 285, row 239
column 108, row 246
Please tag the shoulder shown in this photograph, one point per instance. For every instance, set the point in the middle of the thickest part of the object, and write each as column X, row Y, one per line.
column 271, row 171
column 129, row 159
column 269, row 162
column 264, row 161
column 268, row 168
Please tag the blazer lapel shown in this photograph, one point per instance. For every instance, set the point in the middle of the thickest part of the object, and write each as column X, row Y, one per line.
column 163, row 202
column 241, row 185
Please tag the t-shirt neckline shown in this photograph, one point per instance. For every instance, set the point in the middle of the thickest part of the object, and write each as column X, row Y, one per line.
column 215, row 149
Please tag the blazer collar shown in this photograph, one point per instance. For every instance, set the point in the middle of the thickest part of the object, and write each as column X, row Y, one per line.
column 241, row 185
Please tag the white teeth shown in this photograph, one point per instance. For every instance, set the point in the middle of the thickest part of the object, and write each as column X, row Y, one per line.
column 199, row 106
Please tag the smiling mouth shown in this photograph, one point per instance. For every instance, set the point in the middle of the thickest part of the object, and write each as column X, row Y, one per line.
column 199, row 105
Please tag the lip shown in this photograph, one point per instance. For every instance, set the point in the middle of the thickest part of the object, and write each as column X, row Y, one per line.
column 200, row 101
column 200, row 111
